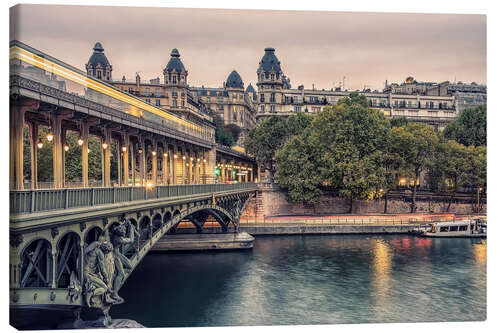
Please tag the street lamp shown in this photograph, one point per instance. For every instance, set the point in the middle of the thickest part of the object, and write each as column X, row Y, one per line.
column 104, row 145
column 66, row 147
column 50, row 136
column 80, row 141
column 39, row 144
column 124, row 149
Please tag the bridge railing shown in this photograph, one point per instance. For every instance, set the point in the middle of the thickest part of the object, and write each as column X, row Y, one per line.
column 31, row 201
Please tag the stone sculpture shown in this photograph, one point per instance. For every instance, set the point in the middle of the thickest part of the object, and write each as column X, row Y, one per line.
column 104, row 269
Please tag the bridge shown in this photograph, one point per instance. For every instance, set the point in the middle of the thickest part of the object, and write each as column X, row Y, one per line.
column 74, row 246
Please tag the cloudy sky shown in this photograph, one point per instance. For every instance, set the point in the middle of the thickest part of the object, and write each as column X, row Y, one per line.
column 317, row 48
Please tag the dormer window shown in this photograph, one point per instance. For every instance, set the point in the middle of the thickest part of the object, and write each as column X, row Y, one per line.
column 272, row 76
column 175, row 79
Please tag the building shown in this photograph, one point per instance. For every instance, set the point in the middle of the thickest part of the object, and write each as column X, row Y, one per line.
column 173, row 94
column 432, row 103
column 232, row 103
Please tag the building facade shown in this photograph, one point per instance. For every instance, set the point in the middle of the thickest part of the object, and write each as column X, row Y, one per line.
column 172, row 94
column 233, row 103
column 432, row 103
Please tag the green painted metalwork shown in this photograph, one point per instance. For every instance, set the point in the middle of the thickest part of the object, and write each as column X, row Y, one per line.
column 31, row 201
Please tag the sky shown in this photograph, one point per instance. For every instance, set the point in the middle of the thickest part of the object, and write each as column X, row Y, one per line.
column 314, row 47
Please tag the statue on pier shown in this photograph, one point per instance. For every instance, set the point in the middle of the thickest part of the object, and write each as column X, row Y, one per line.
column 99, row 272
column 105, row 268
column 119, row 240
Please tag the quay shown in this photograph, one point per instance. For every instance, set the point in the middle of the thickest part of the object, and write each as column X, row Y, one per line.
column 203, row 242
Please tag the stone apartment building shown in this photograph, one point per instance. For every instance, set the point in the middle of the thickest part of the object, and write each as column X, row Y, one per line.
column 173, row 93
column 432, row 103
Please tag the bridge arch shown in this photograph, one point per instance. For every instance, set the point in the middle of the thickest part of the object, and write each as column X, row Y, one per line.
column 144, row 230
column 36, row 264
column 92, row 235
column 156, row 223
column 68, row 259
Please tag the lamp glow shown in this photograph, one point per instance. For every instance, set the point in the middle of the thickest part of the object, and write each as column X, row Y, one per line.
column 124, row 149
column 66, row 147
column 154, row 153
column 104, row 145
column 80, row 142
column 39, row 144
column 50, row 136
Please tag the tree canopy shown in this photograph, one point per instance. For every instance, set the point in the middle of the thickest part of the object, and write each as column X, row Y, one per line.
column 265, row 140
column 469, row 128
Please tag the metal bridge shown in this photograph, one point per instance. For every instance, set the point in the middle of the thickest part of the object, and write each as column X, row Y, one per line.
column 165, row 174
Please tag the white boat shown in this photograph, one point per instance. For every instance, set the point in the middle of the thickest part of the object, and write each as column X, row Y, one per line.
column 466, row 228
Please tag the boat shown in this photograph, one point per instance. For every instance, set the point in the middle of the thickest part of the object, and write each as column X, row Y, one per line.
column 473, row 228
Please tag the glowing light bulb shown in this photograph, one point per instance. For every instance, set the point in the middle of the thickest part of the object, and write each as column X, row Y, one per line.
column 80, row 142
column 104, row 145
column 165, row 154
column 124, row 149
column 39, row 144
column 50, row 137
column 175, row 155
column 66, row 147
column 154, row 153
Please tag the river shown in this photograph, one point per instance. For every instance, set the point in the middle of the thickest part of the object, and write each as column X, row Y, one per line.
column 320, row 279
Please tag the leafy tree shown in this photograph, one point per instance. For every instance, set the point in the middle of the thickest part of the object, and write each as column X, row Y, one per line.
column 339, row 150
column 226, row 135
column 416, row 144
column 399, row 121
column 469, row 128
column 297, row 170
column 449, row 169
column 477, row 171
column 265, row 140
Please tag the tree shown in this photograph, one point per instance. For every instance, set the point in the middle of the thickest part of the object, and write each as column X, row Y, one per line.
column 399, row 121
column 416, row 144
column 469, row 128
column 265, row 140
column 297, row 172
column 339, row 150
column 476, row 177
column 224, row 135
column 449, row 169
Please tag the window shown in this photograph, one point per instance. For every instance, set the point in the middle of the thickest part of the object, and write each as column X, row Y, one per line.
column 454, row 228
column 157, row 92
column 272, row 76
column 273, row 98
column 298, row 108
column 267, row 75
column 261, row 98
column 272, row 108
column 220, row 107
column 262, row 108
column 148, row 101
column 235, row 114
column 443, row 229
column 174, row 93
column 99, row 75
column 462, row 228
column 174, row 79
column 147, row 92
column 174, row 102
column 158, row 102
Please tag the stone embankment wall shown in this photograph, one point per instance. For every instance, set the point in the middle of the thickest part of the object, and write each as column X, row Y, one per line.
column 272, row 201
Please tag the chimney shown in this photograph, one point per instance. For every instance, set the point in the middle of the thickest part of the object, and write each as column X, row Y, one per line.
column 137, row 79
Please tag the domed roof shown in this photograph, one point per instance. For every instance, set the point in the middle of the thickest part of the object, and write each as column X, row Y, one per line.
column 175, row 62
column 234, row 80
column 98, row 57
column 269, row 61
column 250, row 89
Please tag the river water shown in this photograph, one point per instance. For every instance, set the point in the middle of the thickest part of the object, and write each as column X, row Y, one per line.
column 320, row 279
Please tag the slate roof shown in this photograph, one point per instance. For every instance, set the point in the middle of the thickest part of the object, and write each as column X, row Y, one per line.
column 175, row 62
column 98, row 57
column 269, row 61
column 250, row 89
column 234, row 80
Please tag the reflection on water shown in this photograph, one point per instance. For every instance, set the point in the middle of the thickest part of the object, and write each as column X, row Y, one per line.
column 323, row 279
